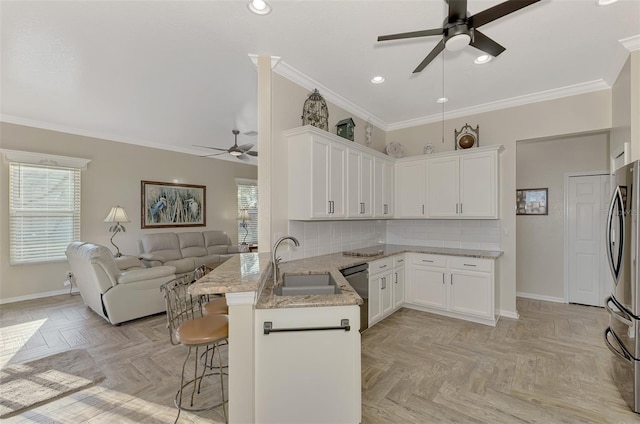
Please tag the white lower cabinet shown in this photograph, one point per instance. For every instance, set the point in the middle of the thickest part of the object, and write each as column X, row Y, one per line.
column 459, row 287
column 307, row 373
column 381, row 289
column 398, row 290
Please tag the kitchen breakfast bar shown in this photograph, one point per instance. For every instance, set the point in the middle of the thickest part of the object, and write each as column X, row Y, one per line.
column 279, row 366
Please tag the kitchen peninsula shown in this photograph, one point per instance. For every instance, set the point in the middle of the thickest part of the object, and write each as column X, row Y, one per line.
column 263, row 367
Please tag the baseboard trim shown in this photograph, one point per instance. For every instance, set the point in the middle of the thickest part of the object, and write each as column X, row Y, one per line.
column 509, row 314
column 37, row 296
column 540, row 297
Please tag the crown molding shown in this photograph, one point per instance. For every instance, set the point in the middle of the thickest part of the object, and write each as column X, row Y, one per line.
column 631, row 43
column 303, row 80
column 541, row 96
column 274, row 60
column 109, row 137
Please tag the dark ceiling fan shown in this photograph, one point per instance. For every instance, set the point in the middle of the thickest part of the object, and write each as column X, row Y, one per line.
column 459, row 29
column 239, row 152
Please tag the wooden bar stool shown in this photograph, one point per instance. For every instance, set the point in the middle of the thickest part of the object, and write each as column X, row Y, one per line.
column 188, row 328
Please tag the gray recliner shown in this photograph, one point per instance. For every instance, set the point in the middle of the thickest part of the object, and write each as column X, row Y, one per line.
column 116, row 295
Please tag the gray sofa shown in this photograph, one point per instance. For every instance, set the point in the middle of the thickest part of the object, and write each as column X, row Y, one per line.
column 185, row 251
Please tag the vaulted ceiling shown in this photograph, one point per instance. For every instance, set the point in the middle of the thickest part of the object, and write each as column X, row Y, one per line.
column 173, row 74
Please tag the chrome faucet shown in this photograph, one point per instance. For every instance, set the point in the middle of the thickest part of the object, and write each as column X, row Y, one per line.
column 275, row 260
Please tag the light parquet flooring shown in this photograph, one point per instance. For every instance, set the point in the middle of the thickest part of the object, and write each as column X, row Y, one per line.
column 550, row 366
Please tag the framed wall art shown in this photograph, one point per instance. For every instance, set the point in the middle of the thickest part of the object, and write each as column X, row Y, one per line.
column 532, row 201
column 167, row 205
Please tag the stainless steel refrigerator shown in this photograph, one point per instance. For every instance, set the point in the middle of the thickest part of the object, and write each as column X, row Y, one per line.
column 622, row 336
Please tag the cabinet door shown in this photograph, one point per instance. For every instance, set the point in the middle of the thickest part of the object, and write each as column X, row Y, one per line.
column 320, row 150
column 387, row 293
column 398, row 287
column 375, row 299
column 387, row 189
column 442, row 187
column 378, row 187
column 353, row 184
column 471, row 293
column 479, row 185
column 366, row 185
column 337, row 180
column 427, row 287
column 410, row 189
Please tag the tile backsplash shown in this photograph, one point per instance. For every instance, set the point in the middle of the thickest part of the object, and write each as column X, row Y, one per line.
column 324, row 237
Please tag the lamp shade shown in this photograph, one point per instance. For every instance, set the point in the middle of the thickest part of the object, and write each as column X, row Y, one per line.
column 243, row 215
column 117, row 214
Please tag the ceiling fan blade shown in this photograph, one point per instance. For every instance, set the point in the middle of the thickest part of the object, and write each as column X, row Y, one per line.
column 245, row 147
column 252, row 153
column 244, row 157
column 498, row 11
column 457, row 10
column 435, row 52
column 486, row 44
column 414, row 34
column 213, row 154
column 207, row 147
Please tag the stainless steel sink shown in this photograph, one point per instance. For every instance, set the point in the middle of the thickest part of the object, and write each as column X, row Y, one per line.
column 307, row 284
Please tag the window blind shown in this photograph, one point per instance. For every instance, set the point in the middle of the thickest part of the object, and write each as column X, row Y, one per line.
column 248, row 199
column 44, row 212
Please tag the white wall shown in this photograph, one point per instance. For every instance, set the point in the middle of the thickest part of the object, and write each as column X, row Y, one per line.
column 569, row 115
column 540, row 239
column 621, row 108
column 112, row 177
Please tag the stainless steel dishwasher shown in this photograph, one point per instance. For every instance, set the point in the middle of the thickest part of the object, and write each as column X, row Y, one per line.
column 358, row 277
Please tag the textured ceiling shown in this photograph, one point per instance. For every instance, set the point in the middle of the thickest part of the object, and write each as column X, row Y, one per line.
column 174, row 74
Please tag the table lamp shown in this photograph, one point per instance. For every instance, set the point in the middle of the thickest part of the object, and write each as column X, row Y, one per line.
column 117, row 215
column 244, row 217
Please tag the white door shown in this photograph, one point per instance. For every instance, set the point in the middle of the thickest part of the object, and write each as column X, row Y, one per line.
column 353, row 184
column 320, row 179
column 427, row 287
column 410, row 189
column 366, row 185
column 479, row 185
column 585, row 239
column 337, row 178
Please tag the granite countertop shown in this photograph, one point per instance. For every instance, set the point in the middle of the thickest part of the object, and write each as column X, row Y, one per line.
column 245, row 272
column 252, row 272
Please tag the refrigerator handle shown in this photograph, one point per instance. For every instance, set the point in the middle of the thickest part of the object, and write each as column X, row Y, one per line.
column 621, row 315
column 623, row 353
column 616, row 200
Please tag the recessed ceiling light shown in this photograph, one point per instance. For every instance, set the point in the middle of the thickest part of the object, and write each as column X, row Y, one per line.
column 605, row 2
column 377, row 79
column 442, row 100
column 480, row 60
column 259, row 7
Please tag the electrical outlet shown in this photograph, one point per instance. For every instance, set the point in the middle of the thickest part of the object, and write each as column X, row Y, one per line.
column 69, row 275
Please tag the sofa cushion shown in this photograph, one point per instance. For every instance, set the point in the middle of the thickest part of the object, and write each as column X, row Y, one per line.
column 162, row 245
column 143, row 276
column 182, row 265
column 192, row 244
column 217, row 250
column 214, row 238
column 207, row 260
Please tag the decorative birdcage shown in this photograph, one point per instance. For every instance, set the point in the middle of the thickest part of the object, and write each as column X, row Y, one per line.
column 315, row 112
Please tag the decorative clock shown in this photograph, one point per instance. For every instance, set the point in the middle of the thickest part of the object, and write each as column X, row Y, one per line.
column 467, row 137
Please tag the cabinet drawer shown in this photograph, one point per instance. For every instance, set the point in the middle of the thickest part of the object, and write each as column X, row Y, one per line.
column 429, row 260
column 398, row 260
column 471, row 264
column 381, row 265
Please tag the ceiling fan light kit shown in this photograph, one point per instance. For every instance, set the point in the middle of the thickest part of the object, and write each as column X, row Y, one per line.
column 461, row 29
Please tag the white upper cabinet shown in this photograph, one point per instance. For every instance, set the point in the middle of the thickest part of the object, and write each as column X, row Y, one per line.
column 359, row 184
column 410, row 189
column 463, row 186
column 317, row 176
column 383, row 176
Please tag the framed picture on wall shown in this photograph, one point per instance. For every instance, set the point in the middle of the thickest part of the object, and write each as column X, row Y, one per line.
column 166, row 205
column 532, row 201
